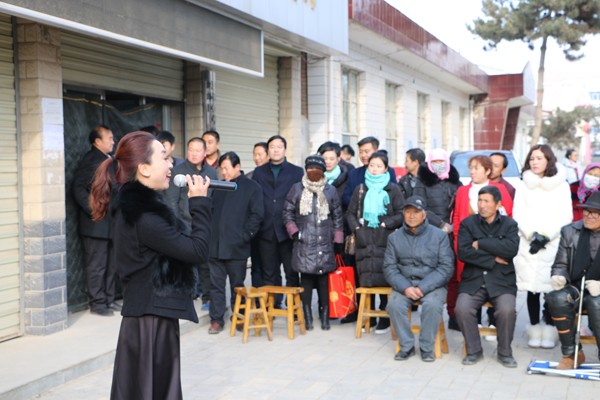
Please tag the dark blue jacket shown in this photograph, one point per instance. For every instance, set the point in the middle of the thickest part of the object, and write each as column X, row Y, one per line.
column 274, row 197
column 355, row 178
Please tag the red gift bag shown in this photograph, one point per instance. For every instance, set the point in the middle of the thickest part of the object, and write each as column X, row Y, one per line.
column 342, row 290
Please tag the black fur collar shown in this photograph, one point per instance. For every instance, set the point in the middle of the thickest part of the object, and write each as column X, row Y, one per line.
column 169, row 275
column 429, row 178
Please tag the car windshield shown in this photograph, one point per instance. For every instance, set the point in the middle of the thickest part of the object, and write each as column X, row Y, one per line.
column 461, row 161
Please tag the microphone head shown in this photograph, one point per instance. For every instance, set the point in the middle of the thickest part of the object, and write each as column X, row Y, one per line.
column 180, row 180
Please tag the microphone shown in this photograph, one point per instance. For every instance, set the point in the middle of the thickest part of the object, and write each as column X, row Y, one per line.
column 180, row 181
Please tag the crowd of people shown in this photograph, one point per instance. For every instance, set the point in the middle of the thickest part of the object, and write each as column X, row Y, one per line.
column 427, row 236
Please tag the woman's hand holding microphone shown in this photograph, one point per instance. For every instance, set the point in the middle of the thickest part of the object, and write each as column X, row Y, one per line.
column 197, row 185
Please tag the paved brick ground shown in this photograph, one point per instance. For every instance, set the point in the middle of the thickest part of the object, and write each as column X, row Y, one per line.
column 336, row 365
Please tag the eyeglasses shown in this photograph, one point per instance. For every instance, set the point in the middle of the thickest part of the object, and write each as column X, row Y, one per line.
column 593, row 214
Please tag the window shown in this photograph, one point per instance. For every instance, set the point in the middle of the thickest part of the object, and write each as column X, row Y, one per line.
column 595, row 96
column 350, row 104
column 446, row 137
column 390, row 122
column 421, row 119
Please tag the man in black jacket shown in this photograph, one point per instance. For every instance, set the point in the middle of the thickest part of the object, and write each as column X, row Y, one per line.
column 236, row 219
column 487, row 244
column 577, row 255
column 96, row 236
column 414, row 159
column 178, row 199
column 418, row 264
column 276, row 178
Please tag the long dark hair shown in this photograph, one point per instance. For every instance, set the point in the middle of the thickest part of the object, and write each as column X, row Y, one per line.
column 134, row 149
column 551, row 169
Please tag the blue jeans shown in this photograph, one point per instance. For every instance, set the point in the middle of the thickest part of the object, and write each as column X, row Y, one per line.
column 431, row 315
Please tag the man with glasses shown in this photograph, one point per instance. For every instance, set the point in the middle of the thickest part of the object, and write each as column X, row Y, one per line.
column 576, row 257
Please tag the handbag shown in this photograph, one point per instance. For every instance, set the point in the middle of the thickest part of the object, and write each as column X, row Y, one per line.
column 350, row 245
column 342, row 290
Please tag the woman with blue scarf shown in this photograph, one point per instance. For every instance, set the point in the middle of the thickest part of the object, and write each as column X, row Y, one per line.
column 374, row 212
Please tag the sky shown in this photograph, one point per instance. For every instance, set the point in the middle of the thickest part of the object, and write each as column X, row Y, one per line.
column 447, row 21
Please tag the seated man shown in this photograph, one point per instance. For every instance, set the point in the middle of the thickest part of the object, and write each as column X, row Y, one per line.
column 577, row 255
column 418, row 264
column 487, row 244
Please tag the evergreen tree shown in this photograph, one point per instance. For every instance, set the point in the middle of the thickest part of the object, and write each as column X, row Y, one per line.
column 560, row 127
column 567, row 21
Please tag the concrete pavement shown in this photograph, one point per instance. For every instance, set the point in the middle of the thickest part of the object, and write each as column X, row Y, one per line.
column 336, row 365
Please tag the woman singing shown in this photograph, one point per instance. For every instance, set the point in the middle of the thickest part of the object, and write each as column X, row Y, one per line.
column 155, row 253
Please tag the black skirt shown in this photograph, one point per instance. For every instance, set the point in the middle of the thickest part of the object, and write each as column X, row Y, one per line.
column 147, row 362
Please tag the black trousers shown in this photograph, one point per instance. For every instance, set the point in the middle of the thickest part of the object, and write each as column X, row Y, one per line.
column 204, row 285
column 272, row 254
column 147, row 361
column 219, row 270
column 504, row 311
column 100, row 271
column 256, row 272
column 533, row 307
column 313, row 281
column 564, row 305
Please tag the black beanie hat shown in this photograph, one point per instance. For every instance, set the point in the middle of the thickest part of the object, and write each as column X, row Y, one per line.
column 316, row 161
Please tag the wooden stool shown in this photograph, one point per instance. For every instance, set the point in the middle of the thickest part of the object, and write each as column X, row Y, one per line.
column 294, row 307
column 483, row 331
column 365, row 311
column 441, row 344
column 587, row 339
column 258, row 321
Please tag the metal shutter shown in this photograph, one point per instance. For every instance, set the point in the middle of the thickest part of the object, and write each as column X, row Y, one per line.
column 247, row 110
column 10, row 272
column 97, row 63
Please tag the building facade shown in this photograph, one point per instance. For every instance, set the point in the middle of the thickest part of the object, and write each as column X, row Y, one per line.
column 310, row 70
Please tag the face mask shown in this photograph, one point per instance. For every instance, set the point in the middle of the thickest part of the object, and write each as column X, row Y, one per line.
column 591, row 182
column 439, row 168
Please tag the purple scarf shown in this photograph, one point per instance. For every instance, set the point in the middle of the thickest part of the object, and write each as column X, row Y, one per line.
column 583, row 192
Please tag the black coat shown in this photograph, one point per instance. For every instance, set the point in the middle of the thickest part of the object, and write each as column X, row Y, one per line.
column 498, row 239
column 371, row 242
column 423, row 259
column 177, row 197
column 274, row 197
column 567, row 248
column 236, row 219
column 313, row 249
column 81, row 192
column 340, row 182
column 155, row 252
column 440, row 195
column 405, row 186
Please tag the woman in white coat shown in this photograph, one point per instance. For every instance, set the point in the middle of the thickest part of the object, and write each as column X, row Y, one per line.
column 542, row 207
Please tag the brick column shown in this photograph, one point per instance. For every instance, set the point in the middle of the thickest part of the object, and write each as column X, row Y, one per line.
column 290, row 110
column 40, row 85
column 193, row 95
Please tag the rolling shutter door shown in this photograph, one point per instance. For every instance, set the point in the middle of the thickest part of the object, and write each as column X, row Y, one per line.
column 97, row 63
column 10, row 271
column 247, row 110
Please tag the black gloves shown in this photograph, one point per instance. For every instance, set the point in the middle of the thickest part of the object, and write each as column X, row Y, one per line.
column 538, row 242
column 338, row 248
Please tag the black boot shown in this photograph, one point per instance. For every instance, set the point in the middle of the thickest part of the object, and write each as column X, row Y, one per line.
column 324, row 316
column 308, row 318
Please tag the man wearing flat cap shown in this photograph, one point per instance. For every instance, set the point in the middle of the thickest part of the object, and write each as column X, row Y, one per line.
column 487, row 243
column 418, row 264
column 577, row 256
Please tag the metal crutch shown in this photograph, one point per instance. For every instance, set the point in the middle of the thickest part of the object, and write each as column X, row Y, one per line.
column 578, row 333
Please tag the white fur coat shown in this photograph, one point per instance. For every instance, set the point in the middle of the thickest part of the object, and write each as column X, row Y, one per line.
column 541, row 205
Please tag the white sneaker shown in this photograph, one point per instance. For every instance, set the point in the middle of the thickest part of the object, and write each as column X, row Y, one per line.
column 534, row 333
column 490, row 338
column 549, row 337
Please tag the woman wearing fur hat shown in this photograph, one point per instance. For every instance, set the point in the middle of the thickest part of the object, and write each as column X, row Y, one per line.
column 155, row 253
column 313, row 217
column 542, row 207
column 374, row 212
